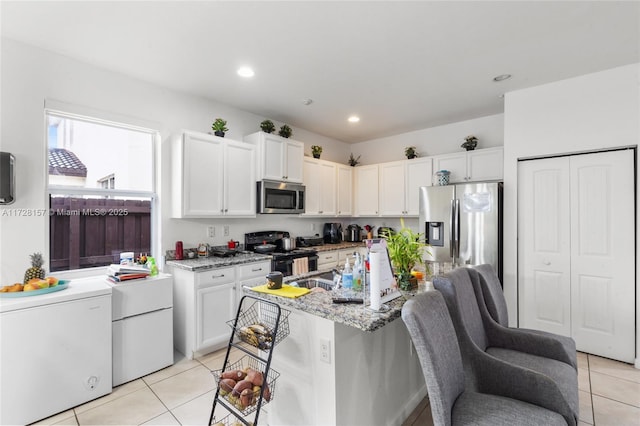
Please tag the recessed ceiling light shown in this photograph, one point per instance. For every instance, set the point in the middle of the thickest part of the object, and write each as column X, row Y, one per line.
column 245, row 72
column 502, row 77
column 353, row 119
column 307, row 101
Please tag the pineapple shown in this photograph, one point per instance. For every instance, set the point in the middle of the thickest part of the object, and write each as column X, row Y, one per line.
column 36, row 270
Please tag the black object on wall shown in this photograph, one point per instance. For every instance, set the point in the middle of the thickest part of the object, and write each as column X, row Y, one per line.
column 7, row 178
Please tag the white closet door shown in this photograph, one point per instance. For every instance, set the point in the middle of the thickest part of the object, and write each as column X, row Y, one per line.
column 603, row 254
column 544, row 257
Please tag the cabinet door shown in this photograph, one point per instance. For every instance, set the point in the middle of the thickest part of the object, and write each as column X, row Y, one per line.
column 366, row 188
column 294, row 155
column 344, row 188
column 328, row 189
column 215, row 306
column 455, row 163
column 273, row 155
column 313, row 186
column 392, row 189
column 240, row 179
column 418, row 172
column 485, row 164
column 202, row 174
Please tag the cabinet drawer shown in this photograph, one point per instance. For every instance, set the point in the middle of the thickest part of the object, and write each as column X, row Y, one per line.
column 215, row 277
column 253, row 270
column 328, row 257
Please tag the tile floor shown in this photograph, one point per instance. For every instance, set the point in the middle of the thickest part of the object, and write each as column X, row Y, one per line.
column 182, row 395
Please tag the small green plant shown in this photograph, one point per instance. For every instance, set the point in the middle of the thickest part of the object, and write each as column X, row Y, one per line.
column 410, row 152
column 219, row 126
column 353, row 161
column 470, row 143
column 267, row 126
column 285, row 131
column 316, row 150
column 406, row 249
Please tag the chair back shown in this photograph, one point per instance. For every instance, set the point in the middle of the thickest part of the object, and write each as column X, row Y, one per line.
column 458, row 292
column 493, row 294
column 427, row 319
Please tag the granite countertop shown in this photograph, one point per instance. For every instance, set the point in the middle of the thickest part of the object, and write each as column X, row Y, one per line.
column 340, row 246
column 203, row 263
column 321, row 304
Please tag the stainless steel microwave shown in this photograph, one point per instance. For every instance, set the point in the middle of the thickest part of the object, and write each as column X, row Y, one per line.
column 280, row 197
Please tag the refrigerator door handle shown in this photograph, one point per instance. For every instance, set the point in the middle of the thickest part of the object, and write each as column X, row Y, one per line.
column 452, row 233
column 456, row 225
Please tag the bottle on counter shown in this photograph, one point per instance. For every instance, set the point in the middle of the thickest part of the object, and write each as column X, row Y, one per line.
column 347, row 275
column 358, row 276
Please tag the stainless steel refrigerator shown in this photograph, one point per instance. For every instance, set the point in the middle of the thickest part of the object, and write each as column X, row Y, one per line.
column 462, row 223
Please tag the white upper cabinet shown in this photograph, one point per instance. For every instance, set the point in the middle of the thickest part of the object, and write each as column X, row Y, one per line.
column 212, row 177
column 279, row 158
column 344, row 189
column 320, row 187
column 399, row 183
column 471, row 166
column 366, row 190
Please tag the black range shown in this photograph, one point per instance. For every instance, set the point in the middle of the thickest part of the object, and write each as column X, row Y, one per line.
column 271, row 242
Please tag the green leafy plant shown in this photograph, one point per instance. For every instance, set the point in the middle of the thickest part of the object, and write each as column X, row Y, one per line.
column 285, row 131
column 316, row 150
column 411, row 152
column 219, row 126
column 267, row 126
column 353, row 161
column 470, row 143
column 406, row 249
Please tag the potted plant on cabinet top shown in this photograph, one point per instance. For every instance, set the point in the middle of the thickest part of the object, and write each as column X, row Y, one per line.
column 219, row 126
column 267, row 126
column 354, row 161
column 411, row 152
column 406, row 249
column 316, row 150
column 285, row 131
column 470, row 143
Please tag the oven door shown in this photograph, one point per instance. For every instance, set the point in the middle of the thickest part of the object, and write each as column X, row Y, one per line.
column 283, row 265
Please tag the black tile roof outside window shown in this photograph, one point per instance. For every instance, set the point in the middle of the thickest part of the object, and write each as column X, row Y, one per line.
column 65, row 163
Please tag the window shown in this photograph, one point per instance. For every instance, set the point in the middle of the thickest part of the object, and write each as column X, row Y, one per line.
column 93, row 218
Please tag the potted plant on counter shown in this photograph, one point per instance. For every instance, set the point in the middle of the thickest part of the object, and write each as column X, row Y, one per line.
column 219, row 126
column 406, row 249
column 316, row 150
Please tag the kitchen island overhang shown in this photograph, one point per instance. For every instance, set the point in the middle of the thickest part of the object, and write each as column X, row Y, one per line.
column 343, row 364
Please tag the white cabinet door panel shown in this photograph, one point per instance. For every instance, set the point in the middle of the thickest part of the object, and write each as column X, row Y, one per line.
column 456, row 164
column 392, row 189
column 213, row 305
column 603, row 254
column 273, row 166
column 203, row 175
column 294, row 157
column 240, row 180
column 366, row 190
column 344, row 188
column 485, row 164
column 418, row 173
column 543, row 245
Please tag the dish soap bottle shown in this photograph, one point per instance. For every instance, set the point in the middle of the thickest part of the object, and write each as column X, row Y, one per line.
column 357, row 273
column 347, row 275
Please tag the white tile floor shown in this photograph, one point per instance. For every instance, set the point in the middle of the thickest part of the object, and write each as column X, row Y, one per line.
column 183, row 393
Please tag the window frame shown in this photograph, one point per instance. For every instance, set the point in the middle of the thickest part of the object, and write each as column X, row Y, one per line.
column 67, row 111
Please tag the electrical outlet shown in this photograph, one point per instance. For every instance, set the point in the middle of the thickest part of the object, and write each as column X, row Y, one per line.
column 325, row 351
column 211, row 231
column 226, row 230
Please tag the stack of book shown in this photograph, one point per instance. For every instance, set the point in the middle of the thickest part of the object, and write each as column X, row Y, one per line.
column 120, row 273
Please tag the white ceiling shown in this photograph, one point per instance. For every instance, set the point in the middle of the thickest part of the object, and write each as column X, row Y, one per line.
column 400, row 66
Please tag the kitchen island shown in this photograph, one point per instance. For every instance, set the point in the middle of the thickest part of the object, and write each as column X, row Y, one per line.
column 343, row 364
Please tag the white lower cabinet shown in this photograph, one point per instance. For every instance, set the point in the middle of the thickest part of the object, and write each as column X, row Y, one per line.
column 327, row 259
column 251, row 275
column 215, row 306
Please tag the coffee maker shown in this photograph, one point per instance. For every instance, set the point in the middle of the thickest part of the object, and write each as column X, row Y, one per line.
column 332, row 233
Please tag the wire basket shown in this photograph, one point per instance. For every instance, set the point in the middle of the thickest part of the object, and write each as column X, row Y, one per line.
column 256, row 324
column 268, row 393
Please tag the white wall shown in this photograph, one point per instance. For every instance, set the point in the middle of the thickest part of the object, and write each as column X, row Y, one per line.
column 432, row 141
column 591, row 112
column 30, row 75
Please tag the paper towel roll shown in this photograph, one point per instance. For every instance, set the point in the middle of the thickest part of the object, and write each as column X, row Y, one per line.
column 374, row 286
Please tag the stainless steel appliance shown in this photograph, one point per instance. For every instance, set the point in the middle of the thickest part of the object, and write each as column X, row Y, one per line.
column 315, row 240
column 279, row 197
column 282, row 260
column 463, row 223
column 353, row 233
column 332, row 233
